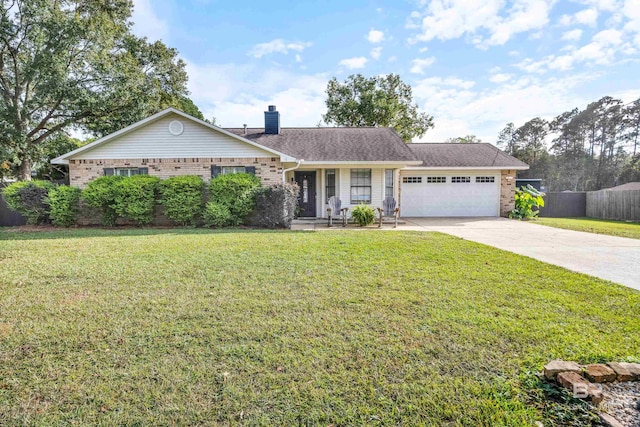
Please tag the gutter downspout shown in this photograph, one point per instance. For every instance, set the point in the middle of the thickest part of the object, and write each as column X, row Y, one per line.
column 284, row 171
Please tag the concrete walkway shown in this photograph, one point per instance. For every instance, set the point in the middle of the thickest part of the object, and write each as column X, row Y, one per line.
column 608, row 257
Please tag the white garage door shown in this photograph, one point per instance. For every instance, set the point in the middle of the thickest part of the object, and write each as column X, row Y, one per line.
column 450, row 195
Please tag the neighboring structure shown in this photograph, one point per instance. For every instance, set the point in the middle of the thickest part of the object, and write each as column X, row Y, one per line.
column 534, row 182
column 625, row 187
column 359, row 165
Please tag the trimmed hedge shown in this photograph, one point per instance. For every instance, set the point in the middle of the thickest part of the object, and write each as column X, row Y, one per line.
column 275, row 206
column 217, row 215
column 64, row 203
column 183, row 199
column 237, row 193
column 30, row 199
column 135, row 198
column 101, row 193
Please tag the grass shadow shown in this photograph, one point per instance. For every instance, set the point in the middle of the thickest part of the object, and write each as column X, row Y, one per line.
column 50, row 233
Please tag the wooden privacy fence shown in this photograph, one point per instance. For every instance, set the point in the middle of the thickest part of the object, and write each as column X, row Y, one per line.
column 564, row 205
column 612, row 204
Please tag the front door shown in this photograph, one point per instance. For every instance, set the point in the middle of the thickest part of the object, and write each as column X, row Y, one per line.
column 306, row 180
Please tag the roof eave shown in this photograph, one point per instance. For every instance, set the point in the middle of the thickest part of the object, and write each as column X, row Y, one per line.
column 362, row 162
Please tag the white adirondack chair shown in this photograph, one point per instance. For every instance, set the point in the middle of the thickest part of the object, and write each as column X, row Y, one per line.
column 389, row 210
column 335, row 209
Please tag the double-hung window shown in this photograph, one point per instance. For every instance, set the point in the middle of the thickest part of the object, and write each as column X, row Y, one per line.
column 388, row 183
column 226, row 170
column 330, row 183
column 130, row 171
column 360, row 186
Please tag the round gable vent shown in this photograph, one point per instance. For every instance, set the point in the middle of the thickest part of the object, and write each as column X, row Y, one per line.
column 176, row 128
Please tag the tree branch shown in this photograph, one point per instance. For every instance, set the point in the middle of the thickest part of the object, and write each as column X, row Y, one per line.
column 46, row 118
column 60, row 126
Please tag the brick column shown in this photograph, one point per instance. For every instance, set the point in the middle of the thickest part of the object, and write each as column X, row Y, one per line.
column 507, row 192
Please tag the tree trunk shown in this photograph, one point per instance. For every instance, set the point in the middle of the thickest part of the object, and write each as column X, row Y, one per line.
column 24, row 172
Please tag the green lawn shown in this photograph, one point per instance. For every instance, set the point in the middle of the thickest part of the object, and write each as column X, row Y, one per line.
column 193, row 327
column 593, row 225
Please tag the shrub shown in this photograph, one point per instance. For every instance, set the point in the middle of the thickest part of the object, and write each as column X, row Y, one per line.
column 217, row 215
column 101, row 193
column 275, row 206
column 182, row 198
column 528, row 202
column 135, row 198
column 30, row 199
column 363, row 215
column 236, row 192
column 64, row 204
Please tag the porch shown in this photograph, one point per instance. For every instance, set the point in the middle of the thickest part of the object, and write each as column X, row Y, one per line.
column 353, row 184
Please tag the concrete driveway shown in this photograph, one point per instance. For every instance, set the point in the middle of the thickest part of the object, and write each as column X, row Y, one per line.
column 612, row 258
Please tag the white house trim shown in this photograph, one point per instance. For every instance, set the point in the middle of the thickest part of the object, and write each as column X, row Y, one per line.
column 462, row 168
column 64, row 159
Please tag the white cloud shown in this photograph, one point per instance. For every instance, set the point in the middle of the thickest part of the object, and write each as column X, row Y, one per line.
column 298, row 57
column 603, row 49
column 146, row 23
column 376, row 52
column 631, row 11
column 461, row 109
column 500, row 78
column 243, row 93
column 277, row 46
column 393, row 58
column 584, row 17
column 587, row 17
column 573, row 35
column 524, row 16
column 489, row 21
column 606, row 5
column 375, row 36
column 419, row 64
column 354, row 63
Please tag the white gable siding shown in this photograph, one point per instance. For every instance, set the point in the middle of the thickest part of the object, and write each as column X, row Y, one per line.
column 155, row 141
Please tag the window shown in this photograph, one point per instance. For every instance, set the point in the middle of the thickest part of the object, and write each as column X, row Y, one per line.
column 436, row 180
column 130, row 171
column 460, row 179
column 330, row 183
column 360, row 186
column 388, row 183
column 485, row 179
column 233, row 169
column 412, row 180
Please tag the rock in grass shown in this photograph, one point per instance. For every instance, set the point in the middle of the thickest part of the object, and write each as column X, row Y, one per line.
column 553, row 368
column 581, row 388
column 622, row 373
column 609, row 421
column 599, row 373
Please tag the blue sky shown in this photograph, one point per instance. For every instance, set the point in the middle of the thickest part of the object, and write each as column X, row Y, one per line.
column 474, row 65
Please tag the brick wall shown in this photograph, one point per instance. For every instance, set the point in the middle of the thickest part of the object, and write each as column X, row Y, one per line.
column 82, row 171
column 507, row 192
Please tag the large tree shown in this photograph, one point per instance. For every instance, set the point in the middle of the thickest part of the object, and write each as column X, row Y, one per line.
column 66, row 64
column 384, row 101
column 588, row 149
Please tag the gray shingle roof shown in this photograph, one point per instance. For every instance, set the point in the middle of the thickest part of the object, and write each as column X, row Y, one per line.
column 334, row 144
column 625, row 187
column 463, row 155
